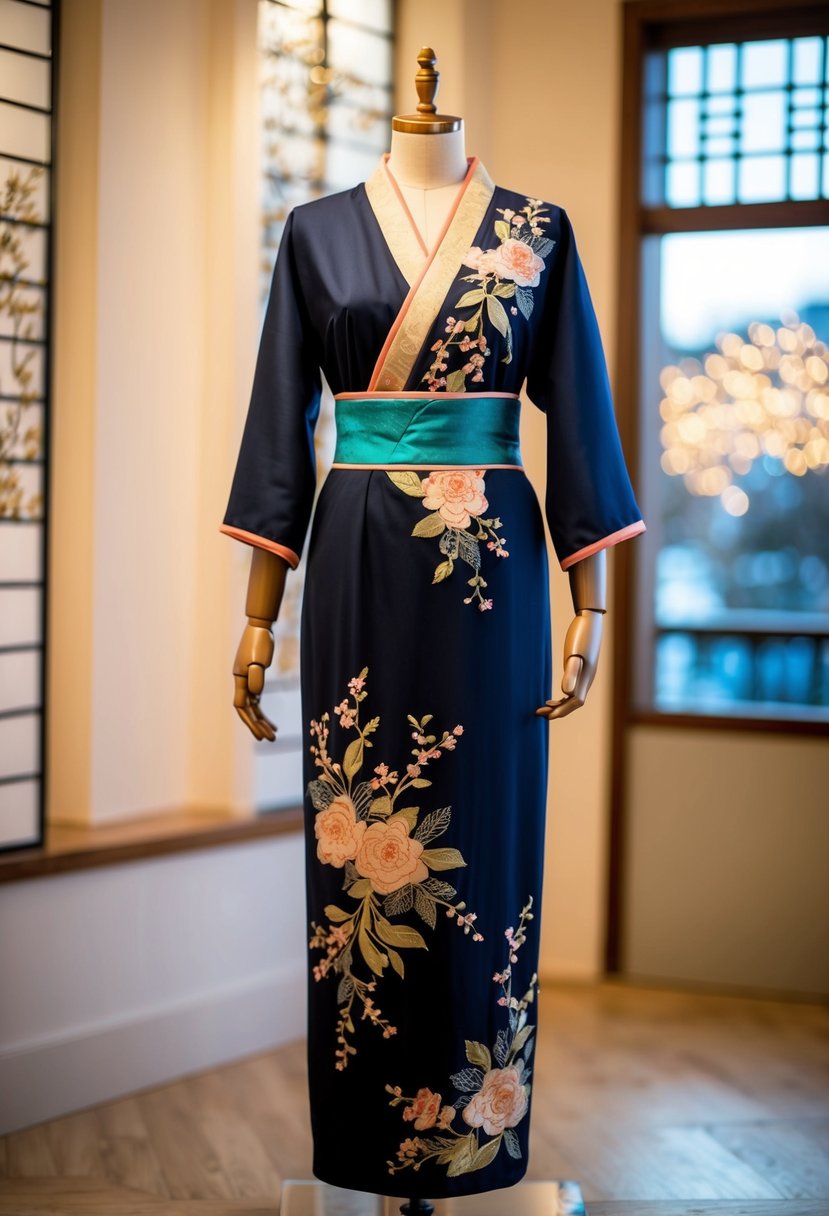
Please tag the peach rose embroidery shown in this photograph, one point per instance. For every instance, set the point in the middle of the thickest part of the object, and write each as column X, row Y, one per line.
column 515, row 260
column 500, row 1102
column 456, row 494
column 424, row 1110
column 338, row 832
column 389, row 857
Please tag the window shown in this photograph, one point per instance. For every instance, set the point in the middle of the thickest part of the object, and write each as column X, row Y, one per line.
column 326, row 108
column 725, row 363
column 26, row 71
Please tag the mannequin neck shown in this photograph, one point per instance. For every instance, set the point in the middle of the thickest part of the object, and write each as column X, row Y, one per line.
column 427, row 162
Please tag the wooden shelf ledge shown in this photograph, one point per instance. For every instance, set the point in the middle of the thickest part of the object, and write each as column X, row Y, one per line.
column 69, row 848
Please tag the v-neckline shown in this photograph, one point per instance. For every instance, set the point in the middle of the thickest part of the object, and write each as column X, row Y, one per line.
column 400, row 232
column 429, row 253
column 429, row 274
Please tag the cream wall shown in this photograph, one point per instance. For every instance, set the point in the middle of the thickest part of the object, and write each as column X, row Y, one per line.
column 157, row 324
column 539, row 97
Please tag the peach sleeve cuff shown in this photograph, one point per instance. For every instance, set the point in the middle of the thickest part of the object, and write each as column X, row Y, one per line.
column 262, row 542
column 612, row 539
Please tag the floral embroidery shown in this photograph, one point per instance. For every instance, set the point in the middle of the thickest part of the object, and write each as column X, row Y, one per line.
column 508, row 271
column 381, row 847
column 455, row 498
column 492, row 1099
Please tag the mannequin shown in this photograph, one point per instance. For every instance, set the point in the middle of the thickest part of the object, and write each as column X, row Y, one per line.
column 427, row 168
column 372, row 287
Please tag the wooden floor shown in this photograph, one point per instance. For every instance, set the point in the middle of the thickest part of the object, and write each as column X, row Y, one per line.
column 657, row 1103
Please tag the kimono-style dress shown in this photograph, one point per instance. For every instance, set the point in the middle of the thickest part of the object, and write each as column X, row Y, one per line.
column 425, row 649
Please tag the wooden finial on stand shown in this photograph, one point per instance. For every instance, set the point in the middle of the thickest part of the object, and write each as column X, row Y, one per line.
column 426, row 120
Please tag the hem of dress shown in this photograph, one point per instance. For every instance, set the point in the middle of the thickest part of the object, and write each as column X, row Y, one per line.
column 612, row 539
column 420, row 1191
column 262, row 542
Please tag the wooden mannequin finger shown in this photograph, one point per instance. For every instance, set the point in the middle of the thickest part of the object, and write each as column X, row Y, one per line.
column 572, row 672
column 256, row 679
column 249, row 720
column 240, row 690
column 265, row 720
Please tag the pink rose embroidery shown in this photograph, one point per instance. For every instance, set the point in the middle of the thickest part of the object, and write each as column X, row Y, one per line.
column 389, row 857
column 500, row 1102
column 338, row 832
column 456, row 493
column 515, row 260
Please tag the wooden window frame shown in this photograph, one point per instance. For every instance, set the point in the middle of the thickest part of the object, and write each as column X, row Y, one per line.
column 648, row 24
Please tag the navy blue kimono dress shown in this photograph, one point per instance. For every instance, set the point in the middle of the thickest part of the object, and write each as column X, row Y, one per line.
column 425, row 649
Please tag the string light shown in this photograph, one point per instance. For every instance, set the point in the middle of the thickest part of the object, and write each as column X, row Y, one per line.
column 767, row 396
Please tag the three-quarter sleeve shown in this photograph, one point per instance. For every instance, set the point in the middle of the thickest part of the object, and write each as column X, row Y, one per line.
column 272, row 492
column 589, row 500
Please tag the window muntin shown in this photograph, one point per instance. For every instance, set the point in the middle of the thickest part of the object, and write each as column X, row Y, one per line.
column 741, row 122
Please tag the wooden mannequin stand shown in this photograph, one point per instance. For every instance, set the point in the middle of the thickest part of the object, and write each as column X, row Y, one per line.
column 301, row 1197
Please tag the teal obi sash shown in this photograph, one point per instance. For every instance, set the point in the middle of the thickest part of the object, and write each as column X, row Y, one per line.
column 428, row 429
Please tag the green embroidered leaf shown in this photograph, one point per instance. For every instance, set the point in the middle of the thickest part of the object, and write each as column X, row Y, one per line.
column 344, row 989
column 524, row 300
column 363, row 674
column 381, row 807
column 486, row 1153
column 433, row 824
column 399, row 901
column 353, row 757
column 371, row 726
column 511, row 1141
column 501, row 1048
column 399, row 935
column 470, row 297
column 468, row 1080
column 462, row 1156
column 520, row 1039
column 396, row 962
column 350, row 874
column 504, row 290
column 425, row 907
column 471, row 323
column 502, row 229
column 407, row 481
column 360, row 889
column 371, row 954
column 420, row 782
column 456, row 381
column 542, row 245
column 469, row 552
column 497, row 315
column 408, row 814
column 430, row 525
column 336, row 914
column 321, row 794
column 449, row 543
column 361, row 796
column 478, row 1053
column 443, row 571
column 442, row 859
column 436, row 886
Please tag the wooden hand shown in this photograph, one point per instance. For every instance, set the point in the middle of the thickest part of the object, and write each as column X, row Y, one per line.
column 588, row 580
column 255, row 652
column 253, row 656
column 581, row 656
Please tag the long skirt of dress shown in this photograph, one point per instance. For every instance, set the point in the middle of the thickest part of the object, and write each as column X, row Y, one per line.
column 426, row 778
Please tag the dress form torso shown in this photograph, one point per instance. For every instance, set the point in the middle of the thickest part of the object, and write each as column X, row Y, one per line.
column 427, row 170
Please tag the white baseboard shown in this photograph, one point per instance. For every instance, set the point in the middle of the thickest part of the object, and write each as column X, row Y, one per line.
column 45, row 1079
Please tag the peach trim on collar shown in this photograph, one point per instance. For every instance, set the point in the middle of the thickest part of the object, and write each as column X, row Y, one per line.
column 426, row 294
